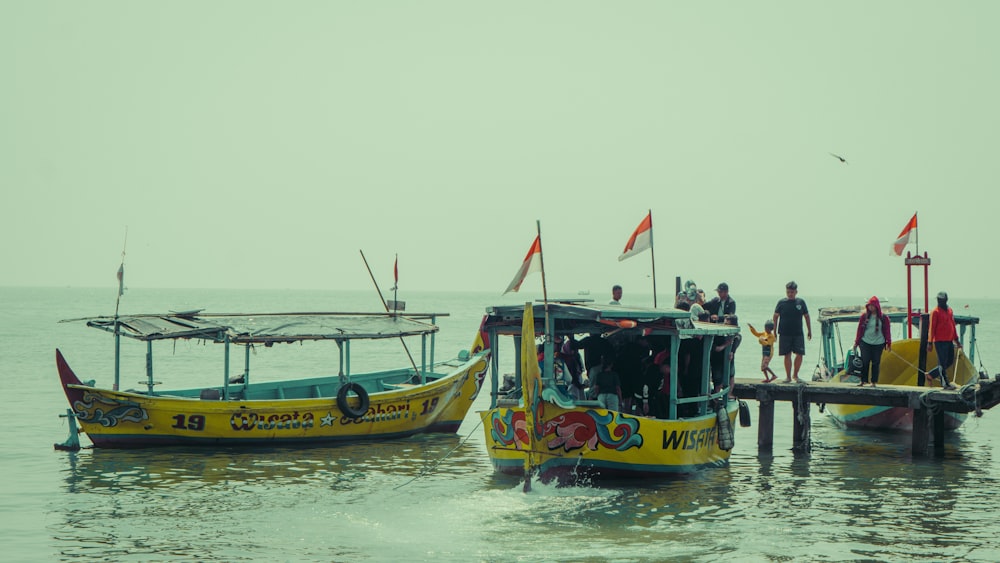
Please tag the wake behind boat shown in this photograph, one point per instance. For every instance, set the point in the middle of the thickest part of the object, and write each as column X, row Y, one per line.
column 335, row 405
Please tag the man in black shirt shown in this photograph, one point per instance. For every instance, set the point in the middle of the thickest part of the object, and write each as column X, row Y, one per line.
column 788, row 315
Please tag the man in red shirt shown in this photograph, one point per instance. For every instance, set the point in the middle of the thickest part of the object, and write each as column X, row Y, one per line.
column 943, row 335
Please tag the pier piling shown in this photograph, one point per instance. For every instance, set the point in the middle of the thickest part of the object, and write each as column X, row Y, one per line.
column 929, row 406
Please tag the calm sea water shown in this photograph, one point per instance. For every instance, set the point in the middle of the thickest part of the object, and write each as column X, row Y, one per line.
column 858, row 496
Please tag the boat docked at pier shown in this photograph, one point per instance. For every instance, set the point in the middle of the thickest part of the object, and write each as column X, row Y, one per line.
column 540, row 426
column 335, row 404
column 907, row 363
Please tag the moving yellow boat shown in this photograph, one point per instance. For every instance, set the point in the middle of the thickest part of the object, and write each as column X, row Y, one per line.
column 540, row 425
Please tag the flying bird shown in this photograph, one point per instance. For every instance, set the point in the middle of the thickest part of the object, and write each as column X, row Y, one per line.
column 838, row 157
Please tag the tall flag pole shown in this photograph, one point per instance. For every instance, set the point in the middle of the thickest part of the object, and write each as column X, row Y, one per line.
column 121, row 290
column 386, row 307
column 545, row 301
column 395, row 283
column 912, row 260
column 541, row 262
column 534, row 262
column 652, row 255
column 641, row 239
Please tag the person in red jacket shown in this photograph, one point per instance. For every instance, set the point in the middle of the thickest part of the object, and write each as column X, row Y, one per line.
column 873, row 336
column 944, row 337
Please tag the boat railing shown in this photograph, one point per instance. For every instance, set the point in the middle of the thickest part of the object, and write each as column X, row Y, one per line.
column 558, row 394
column 835, row 358
column 697, row 394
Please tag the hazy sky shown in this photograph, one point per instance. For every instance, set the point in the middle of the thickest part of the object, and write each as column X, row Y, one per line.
column 250, row 144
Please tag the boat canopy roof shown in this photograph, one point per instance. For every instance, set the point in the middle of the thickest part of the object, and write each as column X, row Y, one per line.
column 267, row 328
column 895, row 314
column 578, row 318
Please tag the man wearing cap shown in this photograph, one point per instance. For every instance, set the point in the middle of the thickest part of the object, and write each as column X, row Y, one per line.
column 944, row 337
column 722, row 305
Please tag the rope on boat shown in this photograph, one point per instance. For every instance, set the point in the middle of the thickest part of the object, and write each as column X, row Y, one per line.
column 972, row 402
column 444, row 457
column 840, row 341
column 975, row 398
column 974, row 385
column 907, row 362
column 925, row 401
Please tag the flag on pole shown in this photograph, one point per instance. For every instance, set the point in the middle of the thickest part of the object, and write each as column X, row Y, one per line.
column 532, row 263
column 641, row 239
column 904, row 236
column 395, row 271
column 121, row 279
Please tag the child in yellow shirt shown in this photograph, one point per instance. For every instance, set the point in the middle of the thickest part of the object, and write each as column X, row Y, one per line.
column 767, row 340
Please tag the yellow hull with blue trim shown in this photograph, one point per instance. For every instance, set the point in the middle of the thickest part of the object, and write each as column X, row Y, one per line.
column 580, row 443
column 116, row 419
column 899, row 367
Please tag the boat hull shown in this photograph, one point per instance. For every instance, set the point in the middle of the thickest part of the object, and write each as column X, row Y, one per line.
column 899, row 367
column 119, row 419
column 584, row 443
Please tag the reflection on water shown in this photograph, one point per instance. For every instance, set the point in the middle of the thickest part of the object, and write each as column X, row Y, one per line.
column 133, row 502
column 863, row 495
column 857, row 495
column 99, row 471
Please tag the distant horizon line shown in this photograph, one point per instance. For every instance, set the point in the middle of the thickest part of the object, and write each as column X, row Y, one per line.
column 553, row 296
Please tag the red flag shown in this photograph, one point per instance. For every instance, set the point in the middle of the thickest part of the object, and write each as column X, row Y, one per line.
column 641, row 239
column 395, row 270
column 532, row 263
column 904, row 236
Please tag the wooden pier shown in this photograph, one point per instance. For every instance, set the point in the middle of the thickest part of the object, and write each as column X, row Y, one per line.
column 928, row 404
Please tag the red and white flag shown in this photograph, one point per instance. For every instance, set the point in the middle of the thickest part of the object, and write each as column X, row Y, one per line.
column 532, row 263
column 641, row 239
column 904, row 236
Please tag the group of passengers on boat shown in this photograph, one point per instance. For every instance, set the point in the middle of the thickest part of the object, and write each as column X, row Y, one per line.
column 630, row 372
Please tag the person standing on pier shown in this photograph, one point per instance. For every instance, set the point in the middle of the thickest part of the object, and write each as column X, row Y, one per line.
column 873, row 336
column 767, row 340
column 788, row 316
column 944, row 337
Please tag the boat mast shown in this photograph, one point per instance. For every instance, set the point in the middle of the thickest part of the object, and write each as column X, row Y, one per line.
column 385, row 305
column 547, row 329
column 652, row 255
column 121, row 290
